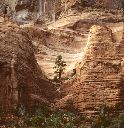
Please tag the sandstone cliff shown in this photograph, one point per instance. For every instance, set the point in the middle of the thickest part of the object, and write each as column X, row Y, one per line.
column 23, row 11
column 99, row 79
column 21, row 80
column 29, row 49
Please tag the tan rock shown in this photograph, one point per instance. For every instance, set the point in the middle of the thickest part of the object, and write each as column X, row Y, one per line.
column 99, row 81
column 22, row 82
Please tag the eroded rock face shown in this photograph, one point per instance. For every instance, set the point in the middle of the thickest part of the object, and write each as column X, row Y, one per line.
column 24, row 11
column 99, row 77
column 21, row 79
column 110, row 4
column 58, row 42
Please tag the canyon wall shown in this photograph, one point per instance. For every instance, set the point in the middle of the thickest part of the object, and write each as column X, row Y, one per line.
column 99, row 78
column 21, row 80
column 50, row 10
column 11, row 3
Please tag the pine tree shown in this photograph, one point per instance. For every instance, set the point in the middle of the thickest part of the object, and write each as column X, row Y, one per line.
column 60, row 67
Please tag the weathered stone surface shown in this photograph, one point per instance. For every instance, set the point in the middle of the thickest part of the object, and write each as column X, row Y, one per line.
column 100, row 69
column 21, row 79
column 99, row 80
column 50, row 10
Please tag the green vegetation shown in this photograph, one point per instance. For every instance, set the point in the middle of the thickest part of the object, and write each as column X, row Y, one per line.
column 43, row 117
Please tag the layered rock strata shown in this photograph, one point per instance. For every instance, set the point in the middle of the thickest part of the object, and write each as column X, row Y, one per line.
column 50, row 10
column 21, row 80
column 99, row 77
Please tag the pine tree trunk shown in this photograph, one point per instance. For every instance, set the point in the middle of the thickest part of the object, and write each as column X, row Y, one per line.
column 59, row 75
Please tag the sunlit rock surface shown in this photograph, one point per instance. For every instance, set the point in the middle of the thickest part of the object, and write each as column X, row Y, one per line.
column 99, row 76
column 49, row 10
column 88, row 39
